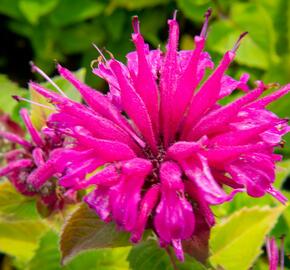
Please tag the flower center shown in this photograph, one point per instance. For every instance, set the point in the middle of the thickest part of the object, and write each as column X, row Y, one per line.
column 156, row 161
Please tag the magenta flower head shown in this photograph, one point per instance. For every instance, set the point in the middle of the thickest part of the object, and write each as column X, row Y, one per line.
column 166, row 146
column 28, row 156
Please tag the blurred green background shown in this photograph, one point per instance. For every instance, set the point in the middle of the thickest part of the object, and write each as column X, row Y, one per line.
column 64, row 30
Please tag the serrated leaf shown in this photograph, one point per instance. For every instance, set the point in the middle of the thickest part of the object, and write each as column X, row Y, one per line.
column 148, row 255
column 236, row 242
column 14, row 206
column 20, row 238
column 84, row 231
column 34, row 9
column 47, row 257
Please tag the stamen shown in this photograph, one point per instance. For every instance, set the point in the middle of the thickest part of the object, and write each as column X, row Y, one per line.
column 100, row 52
column 175, row 14
column 109, row 53
column 35, row 68
column 238, row 43
column 18, row 99
column 205, row 25
column 136, row 24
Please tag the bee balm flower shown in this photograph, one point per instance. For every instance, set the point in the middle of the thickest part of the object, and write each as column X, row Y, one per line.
column 30, row 155
column 166, row 146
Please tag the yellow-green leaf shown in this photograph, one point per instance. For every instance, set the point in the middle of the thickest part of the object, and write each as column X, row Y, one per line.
column 236, row 242
column 20, row 238
column 14, row 206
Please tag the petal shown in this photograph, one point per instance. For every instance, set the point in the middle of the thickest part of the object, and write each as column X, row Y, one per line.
column 219, row 157
column 229, row 84
column 237, row 137
column 273, row 253
column 135, row 107
column 38, row 156
column 108, row 176
column 99, row 200
column 146, row 206
column 198, row 197
column 100, row 103
column 174, row 219
column 168, row 81
column 208, row 93
column 198, row 171
column 105, row 150
column 218, row 119
column 15, row 139
column 186, row 84
column 145, row 83
column 102, row 128
column 181, row 150
column 75, row 177
column 15, row 165
column 57, row 163
column 125, row 196
column 31, row 129
column 263, row 102
column 153, row 57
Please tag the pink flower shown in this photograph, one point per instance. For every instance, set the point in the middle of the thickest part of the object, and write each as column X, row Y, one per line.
column 166, row 146
column 30, row 155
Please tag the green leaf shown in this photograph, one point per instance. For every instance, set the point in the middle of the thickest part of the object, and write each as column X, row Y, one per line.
column 148, row 255
column 282, row 172
column 10, row 8
column 9, row 89
column 34, row 9
column 236, row 242
column 84, row 230
column 132, row 4
column 258, row 48
column 194, row 9
column 47, row 257
column 79, row 38
column 69, row 12
column 20, row 238
column 14, row 206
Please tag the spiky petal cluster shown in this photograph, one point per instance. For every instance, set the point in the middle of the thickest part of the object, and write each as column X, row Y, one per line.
column 30, row 155
column 169, row 159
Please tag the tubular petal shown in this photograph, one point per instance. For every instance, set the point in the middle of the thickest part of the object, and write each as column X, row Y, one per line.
column 135, row 107
column 208, row 93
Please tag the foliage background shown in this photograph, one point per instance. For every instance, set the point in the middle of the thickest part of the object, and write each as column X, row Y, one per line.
column 64, row 30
